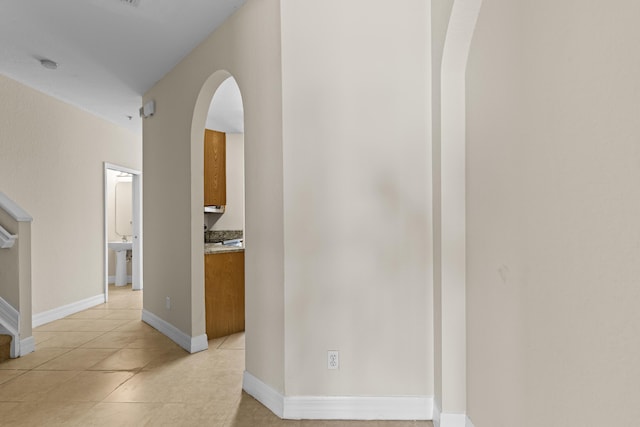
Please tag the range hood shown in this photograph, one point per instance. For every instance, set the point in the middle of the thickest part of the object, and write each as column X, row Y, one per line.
column 214, row 209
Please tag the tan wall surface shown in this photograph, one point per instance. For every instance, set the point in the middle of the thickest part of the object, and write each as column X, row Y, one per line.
column 357, row 179
column 553, row 208
column 233, row 217
column 52, row 165
column 247, row 45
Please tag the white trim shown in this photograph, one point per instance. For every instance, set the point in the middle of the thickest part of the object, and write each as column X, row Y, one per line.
column 452, row 207
column 191, row 344
column 264, row 394
column 358, row 408
column 44, row 317
column 9, row 317
column 119, row 168
column 27, row 345
column 449, row 420
column 14, row 348
column 137, row 255
column 6, row 239
column 10, row 322
column 13, row 209
column 112, row 280
column 453, row 420
column 338, row 407
column 199, row 343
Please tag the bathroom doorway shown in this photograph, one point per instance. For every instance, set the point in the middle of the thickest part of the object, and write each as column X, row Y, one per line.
column 122, row 227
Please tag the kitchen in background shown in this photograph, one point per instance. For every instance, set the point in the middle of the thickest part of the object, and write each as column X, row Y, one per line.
column 224, row 212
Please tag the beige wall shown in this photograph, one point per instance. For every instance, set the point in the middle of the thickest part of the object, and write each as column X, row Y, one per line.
column 248, row 47
column 357, row 174
column 357, row 184
column 233, row 217
column 52, row 165
column 553, row 208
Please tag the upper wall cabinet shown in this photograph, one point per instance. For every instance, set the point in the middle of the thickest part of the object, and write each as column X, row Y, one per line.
column 215, row 184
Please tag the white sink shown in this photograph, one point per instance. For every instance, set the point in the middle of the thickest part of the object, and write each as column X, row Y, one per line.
column 121, row 249
column 121, row 246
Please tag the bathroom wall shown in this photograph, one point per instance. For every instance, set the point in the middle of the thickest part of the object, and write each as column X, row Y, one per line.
column 233, row 217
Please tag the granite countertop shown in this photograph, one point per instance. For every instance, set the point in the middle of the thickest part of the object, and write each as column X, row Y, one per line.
column 217, row 248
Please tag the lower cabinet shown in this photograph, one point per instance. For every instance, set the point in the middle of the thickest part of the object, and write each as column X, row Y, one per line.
column 224, row 293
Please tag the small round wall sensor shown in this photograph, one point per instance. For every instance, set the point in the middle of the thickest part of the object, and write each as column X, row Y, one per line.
column 49, row 64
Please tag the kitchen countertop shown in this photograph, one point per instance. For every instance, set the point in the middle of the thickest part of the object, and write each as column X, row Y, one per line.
column 217, row 248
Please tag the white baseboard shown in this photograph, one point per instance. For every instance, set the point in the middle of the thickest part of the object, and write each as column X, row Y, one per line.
column 449, row 420
column 112, row 280
column 40, row 319
column 191, row 344
column 264, row 394
column 27, row 345
column 338, row 407
column 358, row 408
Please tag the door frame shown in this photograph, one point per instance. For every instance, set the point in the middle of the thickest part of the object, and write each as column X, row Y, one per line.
column 136, row 205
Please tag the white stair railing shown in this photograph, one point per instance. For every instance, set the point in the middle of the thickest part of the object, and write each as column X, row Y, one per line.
column 6, row 239
column 15, row 288
column 10, row 325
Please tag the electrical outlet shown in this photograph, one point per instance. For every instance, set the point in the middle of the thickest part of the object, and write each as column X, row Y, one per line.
column 333, row 359
column 168, row 303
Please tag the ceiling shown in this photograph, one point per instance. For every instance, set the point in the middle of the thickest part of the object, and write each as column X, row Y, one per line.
column 109, row 52
column 226, row 113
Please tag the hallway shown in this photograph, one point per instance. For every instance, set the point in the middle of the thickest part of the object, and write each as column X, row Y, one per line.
column 104, row 367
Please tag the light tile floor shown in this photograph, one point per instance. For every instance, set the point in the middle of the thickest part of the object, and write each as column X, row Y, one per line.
column 105, row 367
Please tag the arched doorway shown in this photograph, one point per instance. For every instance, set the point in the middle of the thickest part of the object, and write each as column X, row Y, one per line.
column 221, row 142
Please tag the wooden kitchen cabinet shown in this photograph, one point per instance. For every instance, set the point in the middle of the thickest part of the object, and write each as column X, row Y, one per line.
column 224, row 293
column 215, row 184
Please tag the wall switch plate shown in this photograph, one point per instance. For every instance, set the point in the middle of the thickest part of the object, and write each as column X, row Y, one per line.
column 333, row 359
column 168, row 303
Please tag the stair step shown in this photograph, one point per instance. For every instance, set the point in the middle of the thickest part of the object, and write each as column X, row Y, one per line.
column 5, row 347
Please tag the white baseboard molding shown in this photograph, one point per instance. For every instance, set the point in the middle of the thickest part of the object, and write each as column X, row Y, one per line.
column 27, row 345
column 66, row 310
column 191, row 344
column 263, row 393
column 112, row 280
column 449, row 420
column 338, row 407
column 358, row 408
